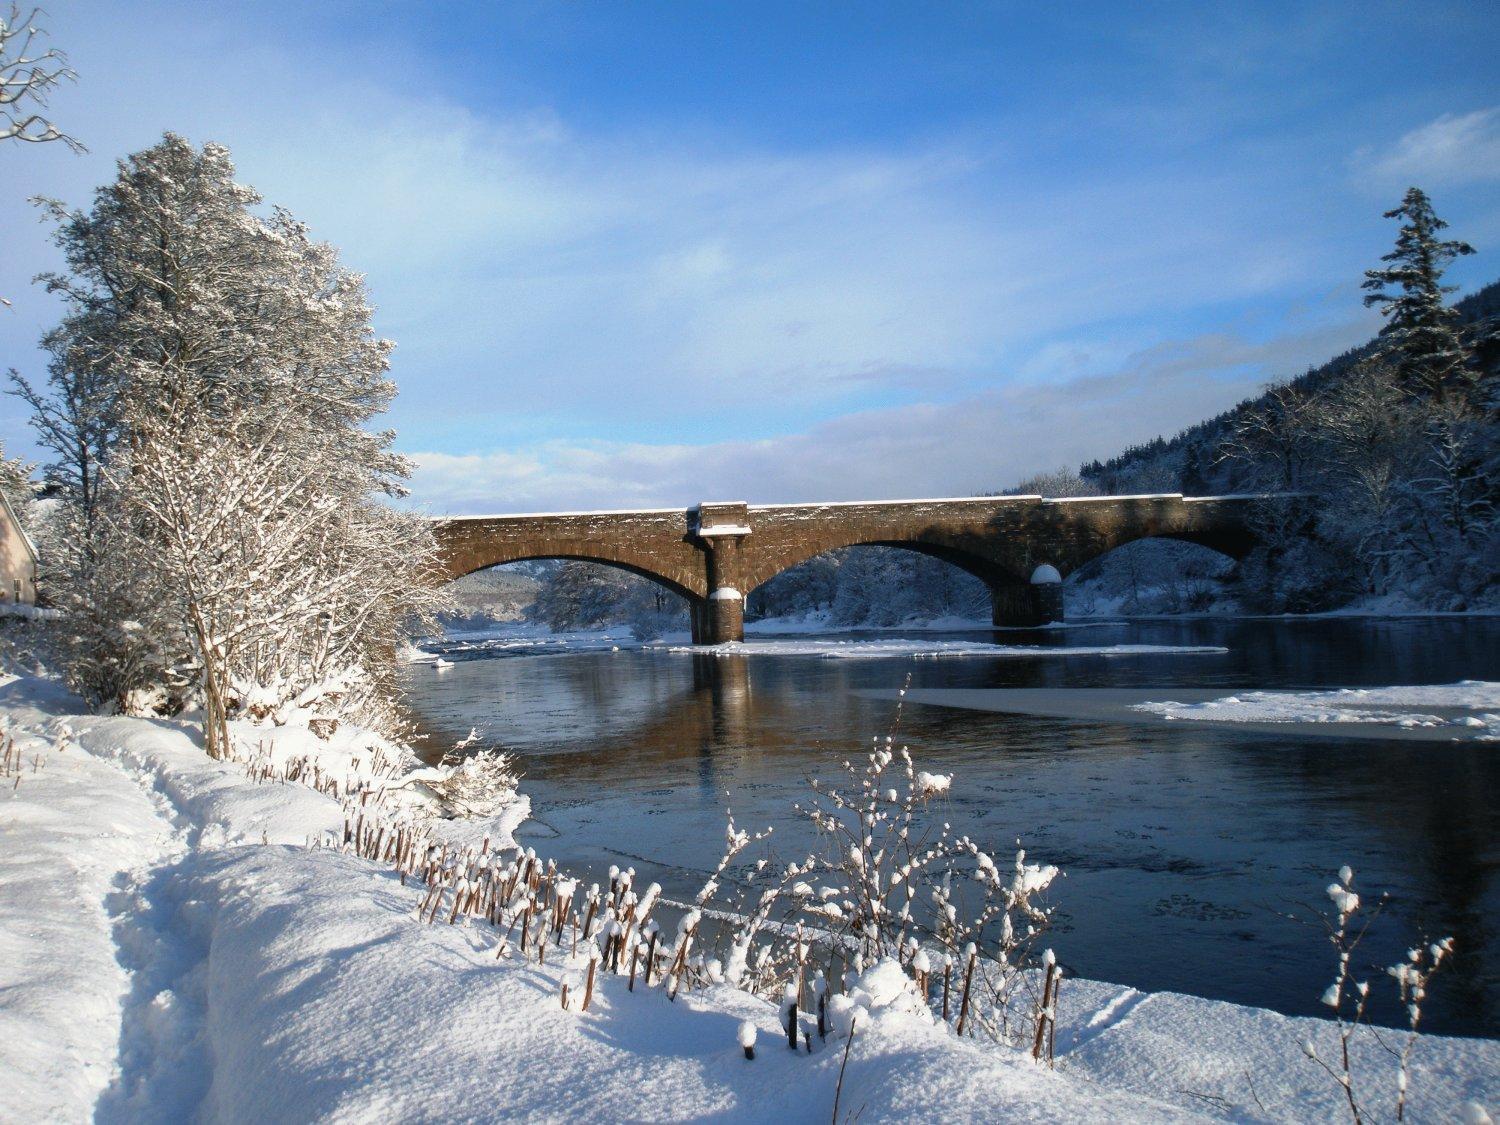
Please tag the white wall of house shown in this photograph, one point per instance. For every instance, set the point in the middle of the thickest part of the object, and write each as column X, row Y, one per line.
column 17, row 561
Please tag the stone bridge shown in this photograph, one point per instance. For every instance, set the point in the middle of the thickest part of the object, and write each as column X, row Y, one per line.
column 716, row 553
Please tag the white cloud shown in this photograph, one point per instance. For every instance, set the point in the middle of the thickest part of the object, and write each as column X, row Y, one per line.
column 1456, row 148
column 642, row 295
column 977, row 443
column 537, row 276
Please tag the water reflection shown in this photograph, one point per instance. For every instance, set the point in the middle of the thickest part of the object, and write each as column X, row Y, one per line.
column 1181, row 844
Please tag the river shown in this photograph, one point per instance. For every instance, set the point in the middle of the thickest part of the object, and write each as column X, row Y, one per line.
column 1184, row 848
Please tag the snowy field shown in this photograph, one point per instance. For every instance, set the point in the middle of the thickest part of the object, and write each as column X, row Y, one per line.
column 171, row 948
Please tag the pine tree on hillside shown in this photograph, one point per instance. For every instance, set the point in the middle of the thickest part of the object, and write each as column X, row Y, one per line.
column 1422, row 329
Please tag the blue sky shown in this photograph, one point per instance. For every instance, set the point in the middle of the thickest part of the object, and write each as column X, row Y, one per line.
column 655, row 254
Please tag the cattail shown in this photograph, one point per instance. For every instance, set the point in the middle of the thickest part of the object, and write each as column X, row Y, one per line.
column 820, row 1002
column 635, row 953
column 747, row 1039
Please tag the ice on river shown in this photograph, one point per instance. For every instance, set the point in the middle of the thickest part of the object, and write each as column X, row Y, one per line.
column 1470, row 707
column 929, row 650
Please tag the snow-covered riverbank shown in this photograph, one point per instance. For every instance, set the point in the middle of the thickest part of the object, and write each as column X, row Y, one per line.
column 170, row 947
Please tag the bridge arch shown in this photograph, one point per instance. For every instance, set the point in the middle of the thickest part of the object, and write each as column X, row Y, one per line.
column 1071, row 554
column 912, row 576
column 980, row 565
column 1149, row 574
column 601, row 557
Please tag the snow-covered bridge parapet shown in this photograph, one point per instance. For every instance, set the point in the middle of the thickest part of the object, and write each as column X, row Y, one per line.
column 714, row 554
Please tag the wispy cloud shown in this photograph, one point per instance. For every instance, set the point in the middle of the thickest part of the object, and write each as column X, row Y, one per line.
column 611, row 314
column 1456, row 148
column 980, row 442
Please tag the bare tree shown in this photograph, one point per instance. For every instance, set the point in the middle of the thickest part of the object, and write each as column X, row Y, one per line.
column 28, row 75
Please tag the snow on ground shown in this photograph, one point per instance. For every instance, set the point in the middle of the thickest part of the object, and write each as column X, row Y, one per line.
column 854, row 649
column 74, row 830
column 1470, row 707
column 170, row 950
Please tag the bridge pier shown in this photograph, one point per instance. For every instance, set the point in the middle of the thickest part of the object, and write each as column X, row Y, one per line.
column 722, row 529
column 1027, row 604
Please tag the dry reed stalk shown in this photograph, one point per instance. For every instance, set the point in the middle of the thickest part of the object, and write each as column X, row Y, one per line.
column 651, row 956
column 947, row 976
column 680, row 962
column 963, row 1006
column 588, row 990
column 459, row 891
column 1052, row 1023
column 789, row 1015
column 1041, row 1016
column 838, row 1090
column 635, row 953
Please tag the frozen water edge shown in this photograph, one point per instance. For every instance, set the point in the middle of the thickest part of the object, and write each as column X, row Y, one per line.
column 1464, row 712
column 1470, row 707
column 232, row 979
column 928, row 650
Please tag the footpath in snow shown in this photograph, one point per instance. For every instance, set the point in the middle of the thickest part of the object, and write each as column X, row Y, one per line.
column 171, row 948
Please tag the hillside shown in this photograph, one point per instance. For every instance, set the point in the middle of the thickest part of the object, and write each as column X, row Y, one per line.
column 1189, row 462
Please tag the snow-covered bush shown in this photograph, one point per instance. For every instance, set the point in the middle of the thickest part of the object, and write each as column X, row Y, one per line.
column 890, row 882
column 1348, row 997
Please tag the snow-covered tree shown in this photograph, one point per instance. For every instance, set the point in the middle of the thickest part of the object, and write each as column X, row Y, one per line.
column 1422, row 328
column 207, row 398
column 16, row 486
column 28, row 74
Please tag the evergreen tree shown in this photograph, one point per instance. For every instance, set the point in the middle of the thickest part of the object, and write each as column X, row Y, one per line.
column 1422, row 328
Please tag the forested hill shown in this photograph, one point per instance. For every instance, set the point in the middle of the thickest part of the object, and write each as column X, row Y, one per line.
column 1190, row 463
